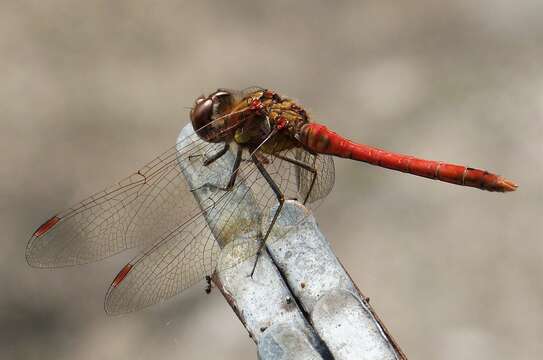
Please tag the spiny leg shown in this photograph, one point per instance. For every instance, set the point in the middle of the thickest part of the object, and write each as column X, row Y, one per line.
column 233, row 175
column 280, row 199
column 211, row 159
column 235, row 169
column 304, row 166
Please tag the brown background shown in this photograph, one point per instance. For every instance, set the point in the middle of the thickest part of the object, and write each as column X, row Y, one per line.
column 90, row 91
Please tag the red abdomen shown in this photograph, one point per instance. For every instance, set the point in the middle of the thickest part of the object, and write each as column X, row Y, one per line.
column 319, row 139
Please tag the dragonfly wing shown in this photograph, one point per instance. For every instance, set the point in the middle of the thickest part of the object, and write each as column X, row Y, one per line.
column 295, row 181
column 324, row 164
column 132, row 213
column 179, row 260
column 225, row 232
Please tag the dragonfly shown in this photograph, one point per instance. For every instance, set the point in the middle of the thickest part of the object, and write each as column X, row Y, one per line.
column 275, row 151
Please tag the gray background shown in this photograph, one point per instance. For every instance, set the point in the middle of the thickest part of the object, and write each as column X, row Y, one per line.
column 92, row 90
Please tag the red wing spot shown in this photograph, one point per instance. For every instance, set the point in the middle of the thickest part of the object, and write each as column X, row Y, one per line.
column 46, row 226
column 121, row 275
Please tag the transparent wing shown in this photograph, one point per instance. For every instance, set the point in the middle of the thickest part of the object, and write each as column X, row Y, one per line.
column 130, row 214
column 289, row 169
column 187, row 254
column 184, row 256
column 324, row 178
column 175, row 263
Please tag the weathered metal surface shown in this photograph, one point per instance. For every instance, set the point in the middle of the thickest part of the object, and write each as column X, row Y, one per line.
column 338, row 311
column 348, row 328
column 283, row 342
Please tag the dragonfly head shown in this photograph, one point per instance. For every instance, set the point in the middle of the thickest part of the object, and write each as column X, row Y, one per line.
column 207, row 112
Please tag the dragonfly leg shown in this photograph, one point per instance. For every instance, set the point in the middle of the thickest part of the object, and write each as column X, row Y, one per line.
column 280, row 199
column 233, row 174
column 235, row 169
column 211, row 159
column 263, row 159
column 305, row 166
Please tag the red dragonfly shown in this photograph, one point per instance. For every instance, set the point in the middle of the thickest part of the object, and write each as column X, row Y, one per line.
column 276, row 153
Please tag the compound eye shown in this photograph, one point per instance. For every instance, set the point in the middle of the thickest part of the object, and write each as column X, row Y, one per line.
column 208, row 109
column 222, row 101
column 201, row 116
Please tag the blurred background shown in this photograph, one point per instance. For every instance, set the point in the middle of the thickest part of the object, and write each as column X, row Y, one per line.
column 90, row 91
